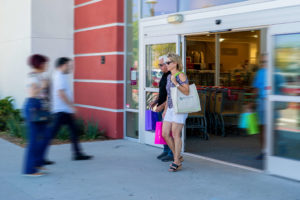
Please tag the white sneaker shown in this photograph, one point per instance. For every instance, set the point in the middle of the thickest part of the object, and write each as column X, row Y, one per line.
column 42, row 169
column 38, row 174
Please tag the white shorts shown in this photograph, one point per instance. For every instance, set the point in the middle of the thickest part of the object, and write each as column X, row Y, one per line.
column 171, row 116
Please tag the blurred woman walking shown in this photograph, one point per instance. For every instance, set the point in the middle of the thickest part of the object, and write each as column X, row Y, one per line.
column 37, row 114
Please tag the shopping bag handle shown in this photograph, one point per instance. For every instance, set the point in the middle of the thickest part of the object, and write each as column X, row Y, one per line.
column 178, row 73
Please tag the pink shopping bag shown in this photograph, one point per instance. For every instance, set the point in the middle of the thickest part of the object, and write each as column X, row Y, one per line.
column 158, row 134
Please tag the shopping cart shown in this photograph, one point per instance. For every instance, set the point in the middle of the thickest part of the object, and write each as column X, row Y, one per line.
column 228, row 107
column 209, row 108
column 197, row 121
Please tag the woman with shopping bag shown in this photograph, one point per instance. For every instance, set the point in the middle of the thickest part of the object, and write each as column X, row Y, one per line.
column 174, row 122
column 158, row 106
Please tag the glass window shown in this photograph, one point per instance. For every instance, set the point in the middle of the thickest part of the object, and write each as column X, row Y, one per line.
column 239, row 58
column 153, row 52
column 150, row 97
column 132, row 55
column 132, row 127
column 286, row 72
column 287, row 129
column 132, row 68
column 161, row 7
column 185, row 5
column 200, row 59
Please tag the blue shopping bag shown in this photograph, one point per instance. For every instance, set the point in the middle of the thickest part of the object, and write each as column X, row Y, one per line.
column 150, row 120
column 243, row 120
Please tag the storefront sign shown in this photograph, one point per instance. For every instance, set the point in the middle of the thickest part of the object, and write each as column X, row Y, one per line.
column 175, row 19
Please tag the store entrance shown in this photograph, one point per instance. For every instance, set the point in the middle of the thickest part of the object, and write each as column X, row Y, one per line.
column 223, row 66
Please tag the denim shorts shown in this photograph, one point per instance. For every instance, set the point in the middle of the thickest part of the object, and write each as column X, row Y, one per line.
column 261, row 110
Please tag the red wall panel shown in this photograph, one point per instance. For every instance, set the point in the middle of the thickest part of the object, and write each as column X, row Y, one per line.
column 77, row 2
column 107, row 95
column 99, row 40
column 99, row 13
column 109, row 39
column 90, row 67
column 111, row 122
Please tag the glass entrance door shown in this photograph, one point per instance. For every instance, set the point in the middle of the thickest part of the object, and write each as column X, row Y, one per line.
column 222, row 65
column 283, row 127
column 154, row 48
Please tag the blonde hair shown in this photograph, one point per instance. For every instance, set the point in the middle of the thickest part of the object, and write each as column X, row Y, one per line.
column 176, row 58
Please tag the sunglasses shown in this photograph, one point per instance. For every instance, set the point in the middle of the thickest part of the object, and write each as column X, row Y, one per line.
column 161, row 65
column 169, row 62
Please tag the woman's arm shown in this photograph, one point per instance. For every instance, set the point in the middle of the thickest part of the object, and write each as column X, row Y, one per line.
column 161, row 107
column 153, row 103
column 184, row 88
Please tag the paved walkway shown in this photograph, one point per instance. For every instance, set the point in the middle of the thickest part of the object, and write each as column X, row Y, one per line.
column 127, row 170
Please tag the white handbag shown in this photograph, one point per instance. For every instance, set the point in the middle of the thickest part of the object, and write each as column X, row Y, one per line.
column 185, row 103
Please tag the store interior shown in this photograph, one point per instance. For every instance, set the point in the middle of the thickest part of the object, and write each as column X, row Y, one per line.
column 228, row 60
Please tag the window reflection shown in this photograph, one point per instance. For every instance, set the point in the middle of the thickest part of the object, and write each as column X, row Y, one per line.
column 162, row 7
column 286, row 77
column 287, row 129
column 132, row 127
column 153, row 52
column 132, row 54
column 158, row 7
column 185, row 5
column 150, row 97
column 132, row 68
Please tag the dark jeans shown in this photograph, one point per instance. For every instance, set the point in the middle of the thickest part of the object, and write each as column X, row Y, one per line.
column 168, row 150
column 60, row 119
column 36, row 136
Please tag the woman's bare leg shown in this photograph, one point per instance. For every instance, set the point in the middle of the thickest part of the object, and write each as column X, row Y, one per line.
column 176, row 132
column 167, row 127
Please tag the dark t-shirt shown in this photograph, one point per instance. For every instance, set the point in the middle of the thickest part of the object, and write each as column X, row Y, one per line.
column 162, row 97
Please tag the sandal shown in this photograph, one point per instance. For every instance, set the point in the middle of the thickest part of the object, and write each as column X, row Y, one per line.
column 180, row 159
column 174, row 167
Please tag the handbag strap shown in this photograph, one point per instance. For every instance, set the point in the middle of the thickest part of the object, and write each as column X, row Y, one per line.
column 178, row 73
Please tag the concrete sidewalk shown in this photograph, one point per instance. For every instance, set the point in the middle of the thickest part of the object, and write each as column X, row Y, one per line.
column 126, row 170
